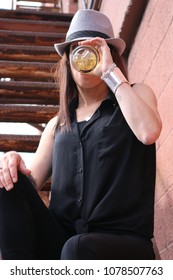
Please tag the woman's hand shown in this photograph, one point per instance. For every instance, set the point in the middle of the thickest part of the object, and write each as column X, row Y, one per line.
column 104, row 53
column 10, row 164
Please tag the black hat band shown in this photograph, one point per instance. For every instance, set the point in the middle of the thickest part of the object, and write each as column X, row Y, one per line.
column 86, row 33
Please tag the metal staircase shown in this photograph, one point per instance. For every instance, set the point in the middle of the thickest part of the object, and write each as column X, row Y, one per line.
column 27, row 90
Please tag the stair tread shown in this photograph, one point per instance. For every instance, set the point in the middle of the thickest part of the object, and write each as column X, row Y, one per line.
column 33, row 25
column 27, row 14
column 28, row 92
column 25, row 84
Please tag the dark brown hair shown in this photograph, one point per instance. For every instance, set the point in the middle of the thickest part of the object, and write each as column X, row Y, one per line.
column 67, row 87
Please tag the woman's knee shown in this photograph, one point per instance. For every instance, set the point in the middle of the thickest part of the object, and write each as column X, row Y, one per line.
column 77, row 248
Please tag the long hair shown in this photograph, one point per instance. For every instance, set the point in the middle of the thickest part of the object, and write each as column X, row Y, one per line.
column 68, row 89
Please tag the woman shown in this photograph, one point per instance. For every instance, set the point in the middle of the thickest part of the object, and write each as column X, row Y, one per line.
column 100, row 152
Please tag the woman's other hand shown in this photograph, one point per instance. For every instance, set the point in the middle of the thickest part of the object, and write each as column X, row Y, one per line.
column 10, row 163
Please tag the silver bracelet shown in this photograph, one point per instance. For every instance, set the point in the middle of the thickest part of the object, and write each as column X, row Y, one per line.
column 112, row 79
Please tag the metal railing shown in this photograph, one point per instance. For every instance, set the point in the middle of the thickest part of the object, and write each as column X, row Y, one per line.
column 91, row 4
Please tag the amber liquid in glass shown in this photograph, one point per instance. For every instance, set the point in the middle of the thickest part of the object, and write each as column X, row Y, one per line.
column 84, row 58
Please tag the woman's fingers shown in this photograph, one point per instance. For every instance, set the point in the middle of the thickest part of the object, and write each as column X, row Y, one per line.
column 10, row 163
column 5, row 177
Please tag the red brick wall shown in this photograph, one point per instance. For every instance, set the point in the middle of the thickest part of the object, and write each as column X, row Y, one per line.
column 151, row 62
column 115, row 10
column 69, row 6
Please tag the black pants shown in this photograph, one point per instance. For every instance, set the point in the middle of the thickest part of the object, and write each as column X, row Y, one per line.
column 29, row 231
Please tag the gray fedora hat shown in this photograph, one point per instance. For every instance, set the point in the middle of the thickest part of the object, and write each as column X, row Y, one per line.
column 87, row 24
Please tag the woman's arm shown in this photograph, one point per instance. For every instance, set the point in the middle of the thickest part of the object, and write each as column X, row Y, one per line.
column 40, row 168
column 139, row 107
column 41, row 164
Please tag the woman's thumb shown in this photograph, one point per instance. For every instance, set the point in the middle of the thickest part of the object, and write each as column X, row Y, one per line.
column 23, row 169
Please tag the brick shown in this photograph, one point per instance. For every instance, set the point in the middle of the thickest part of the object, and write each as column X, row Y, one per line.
column 167, row 253
column 111, row 11
column 164, row 225
column 161, row 69
column 165, row 162
column 160, row 186
column 154, row 35
column 142, row 30
column 165, row 108
column 159, row 226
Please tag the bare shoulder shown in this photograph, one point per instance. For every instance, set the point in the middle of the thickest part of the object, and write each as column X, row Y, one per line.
column 51, row 125
column 146, row 93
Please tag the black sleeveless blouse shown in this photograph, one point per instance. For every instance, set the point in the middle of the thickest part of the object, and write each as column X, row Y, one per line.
column 103, row 178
